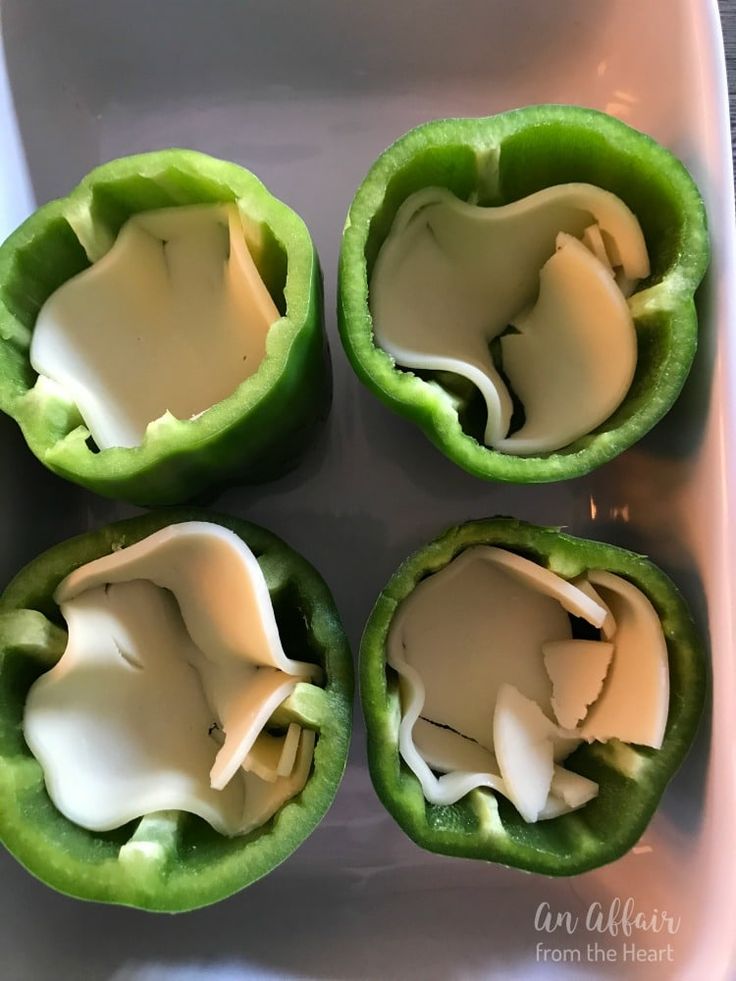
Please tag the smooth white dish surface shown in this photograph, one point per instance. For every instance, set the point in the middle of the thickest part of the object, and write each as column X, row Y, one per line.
column 307, row 95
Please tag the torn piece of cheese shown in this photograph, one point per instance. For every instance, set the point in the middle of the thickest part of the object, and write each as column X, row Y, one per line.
column 522, row 736
column 634, row 703
column 576, row 669
column 162, row 693
column 451, row 276
column 574, row 356
column 170, row 320
column 568, row 792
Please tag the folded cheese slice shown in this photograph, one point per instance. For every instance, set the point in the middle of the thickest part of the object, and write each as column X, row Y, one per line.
column 170, row 320
column 486, row 660
column 452, row 276
column 172, row 670
column 634, row 703
column 573, row 357
column 463, row 634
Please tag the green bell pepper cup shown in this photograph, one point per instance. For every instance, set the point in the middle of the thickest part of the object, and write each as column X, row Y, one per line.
column 498, row 160
column 256, row 432
column 631, row 778
column 199, row 866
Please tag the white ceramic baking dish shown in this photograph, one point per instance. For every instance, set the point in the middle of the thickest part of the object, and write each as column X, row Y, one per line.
column 307, row 95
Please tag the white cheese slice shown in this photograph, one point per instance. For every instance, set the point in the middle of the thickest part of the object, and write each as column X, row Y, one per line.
column 272, row 757
column 608, row 627
column 264, row 755
column 464, row 631
column 162, row 694
column 576, row 669
column 445, row 750
column 592, row 239
column 211, row 572
column 634, row 703
column 568, row 792
column 574, row 356
column 445, row 789
column 522, row 736
column 170, row 320
column 120, row 724
column 263, row 799
column 470, row 628
column 243, row 700
column 578, row 602
column 289, row 750
column 451, row 276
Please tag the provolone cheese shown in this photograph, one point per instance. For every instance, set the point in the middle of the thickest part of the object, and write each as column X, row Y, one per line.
column 263, row 758
column 120, row 724
column 634, row 703
column 463, row 633
column 172, row 669
column 469, row 629
column 450, row 787
column 264, row 799
column 522, row 736
column 451, row 276
column 468, row 645
column 576, row 669
column 211, row 572
column 568, row 792
column 576, row 601
column 608, row 627
column 444, row 750
column 170, row 320
column 573, row 357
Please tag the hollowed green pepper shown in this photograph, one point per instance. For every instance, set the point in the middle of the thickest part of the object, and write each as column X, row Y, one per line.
column 251, row 435
column 631, row 778
column 496, row 161
column 194, row 864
